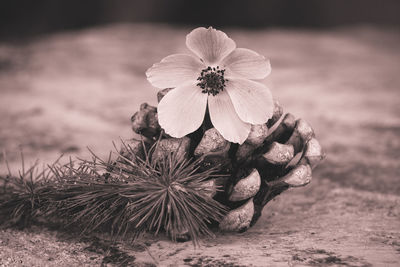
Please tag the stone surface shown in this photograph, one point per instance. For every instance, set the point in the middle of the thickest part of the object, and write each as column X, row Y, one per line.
column 57, row 96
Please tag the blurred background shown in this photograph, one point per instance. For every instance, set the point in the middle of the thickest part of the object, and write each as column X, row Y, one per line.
column 26, row 18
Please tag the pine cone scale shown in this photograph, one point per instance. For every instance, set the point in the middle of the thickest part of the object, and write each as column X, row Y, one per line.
column 276, row 156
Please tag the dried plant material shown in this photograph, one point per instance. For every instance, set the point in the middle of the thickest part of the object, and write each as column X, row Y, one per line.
column 210, row 187
column 177, row 146
column 134, row 148
column 256, row 138
column 145, row 121
column 299, row 176
column 277, row 114
column 246, row 187
column 313, row 152
column 279, row 154
column 300, row 136
column 167, row 193
column 257, row 135
column 239, row 219
column 213, row 148
column 212, row 141
column 267, row 155
column 283, row 131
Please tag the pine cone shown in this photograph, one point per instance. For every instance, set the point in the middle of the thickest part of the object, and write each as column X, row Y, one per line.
column 276, row 156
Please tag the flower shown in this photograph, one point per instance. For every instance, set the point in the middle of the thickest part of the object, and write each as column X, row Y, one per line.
column 219, row 77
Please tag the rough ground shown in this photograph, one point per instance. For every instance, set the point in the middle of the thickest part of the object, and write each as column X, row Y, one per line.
column 63, row 92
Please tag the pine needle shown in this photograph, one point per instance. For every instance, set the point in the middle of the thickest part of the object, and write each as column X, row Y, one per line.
column 129, row 195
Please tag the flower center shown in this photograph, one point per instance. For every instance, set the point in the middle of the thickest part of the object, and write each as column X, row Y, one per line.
column 211, row 80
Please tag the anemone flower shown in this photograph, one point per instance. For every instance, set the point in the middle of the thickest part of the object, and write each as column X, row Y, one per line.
column 220, row 77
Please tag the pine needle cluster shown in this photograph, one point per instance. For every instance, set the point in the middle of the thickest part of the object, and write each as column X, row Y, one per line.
column 127, row 195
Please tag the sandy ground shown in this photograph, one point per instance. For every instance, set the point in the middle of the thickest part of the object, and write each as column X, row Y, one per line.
column 63, row 92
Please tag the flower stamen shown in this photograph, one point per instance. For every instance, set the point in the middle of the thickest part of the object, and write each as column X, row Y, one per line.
column 212, row 80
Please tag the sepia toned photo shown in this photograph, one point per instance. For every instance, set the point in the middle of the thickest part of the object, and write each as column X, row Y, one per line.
column 200, row 133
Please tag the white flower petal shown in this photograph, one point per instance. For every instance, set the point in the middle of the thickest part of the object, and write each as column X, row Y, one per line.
column 246, row 63
column 209, row 44
column 225, row 120
column 181, row 111
column 174, row 70
column 252, row 100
